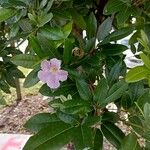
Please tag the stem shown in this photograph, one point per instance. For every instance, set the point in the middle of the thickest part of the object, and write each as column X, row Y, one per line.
column 18, row 90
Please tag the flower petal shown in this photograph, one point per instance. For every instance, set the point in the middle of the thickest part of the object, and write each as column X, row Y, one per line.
column 53, row 81
column 62, row 75
column 43, row 75
column 56, row 63
column 45, row 65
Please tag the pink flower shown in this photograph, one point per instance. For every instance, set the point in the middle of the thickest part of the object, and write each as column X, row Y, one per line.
column 51, row 73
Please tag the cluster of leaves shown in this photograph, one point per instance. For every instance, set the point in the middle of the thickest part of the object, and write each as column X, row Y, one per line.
column 95, row 63
column 9, row 72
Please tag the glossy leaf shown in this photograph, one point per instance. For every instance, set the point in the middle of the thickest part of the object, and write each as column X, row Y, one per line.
column 67, row 55
column 92, row 120
column 83, row 137
column 118, row 34
column 146, row 60
column 64, row 89
column 147, row 111
column 67, row 118
column 137, row 73
column 44, row 18
column 114, row 74
column 104, row 29
column 130, row 142
column 113, row 134
column 91, row 25
column 98, row 140
column 76, row 106
column 41, row 120
column 53, row 136
column 6, row 14
column 32, row 78
column 67, row 29
column 101, row 91
column 78, row 19
column 26, row 60
column 83, row 89
column 116, row 92
column 113, row 49
column 52, row 33
column 36, row 47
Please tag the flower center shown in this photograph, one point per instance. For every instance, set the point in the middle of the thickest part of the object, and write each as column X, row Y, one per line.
column 53, row 69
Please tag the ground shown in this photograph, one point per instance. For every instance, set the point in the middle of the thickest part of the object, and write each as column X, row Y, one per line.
column 12, row 118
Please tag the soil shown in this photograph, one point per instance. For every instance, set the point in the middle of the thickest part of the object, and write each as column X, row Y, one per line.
column 12, row 118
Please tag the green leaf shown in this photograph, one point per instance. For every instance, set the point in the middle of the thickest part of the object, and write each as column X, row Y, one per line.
column 83, row 89
column 15, row 72
column 49, row 5
column 137, row 73
column 67, row 118
column 113, row 49
column 116, row 92
column 48, row 46
column 101, row 91
column 90, row 44
column 56, row 33
column 36, row 47
column 91, row 120
column 50, row 33
column 113, row 6
column 143, row 99
column 147, row 111
column 75, row 106
column 137, row 124
column 43, row 4
column 32, row 78
column 122, row 8
column 123, row 15
column 91, row 25
column 113, row 134
column 110, row 116
column 26, row 60
column 98, row 140
column 136, row 90
column 114, row 73
column 104, row 29
column 118, row 34
column 32, row 18
column 146, row 60
column 67, row 55
column 4, row 87
column 25, row 25
column 44, row 18
column 52, row 137
column 6, row 13
column 130, row 142
column 144, row 41
column 10, row 80
column 78, row 19
column 67, row 29
column 83, row 137
column 40, row 121
column 64, row 89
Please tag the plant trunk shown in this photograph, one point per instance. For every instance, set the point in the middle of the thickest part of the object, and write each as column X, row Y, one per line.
column 18, row 90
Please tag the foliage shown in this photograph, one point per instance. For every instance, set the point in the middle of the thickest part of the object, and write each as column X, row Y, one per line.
column 95, row 63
